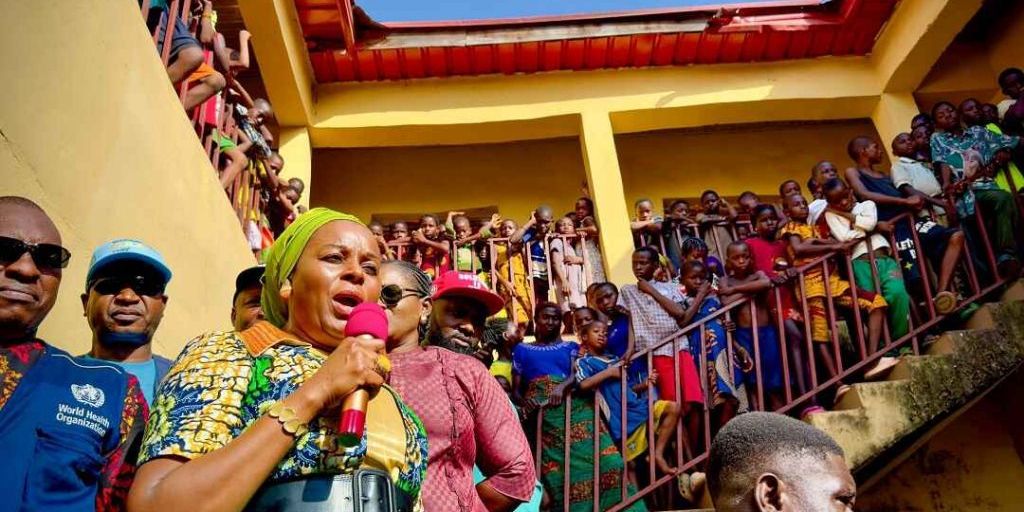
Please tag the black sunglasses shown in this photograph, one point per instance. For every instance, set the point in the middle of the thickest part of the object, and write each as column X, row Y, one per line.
column 141, row 285
column 46, row 256
column 392, row 294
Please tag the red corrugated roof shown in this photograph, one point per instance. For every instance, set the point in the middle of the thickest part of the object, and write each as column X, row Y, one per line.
column 345, row 45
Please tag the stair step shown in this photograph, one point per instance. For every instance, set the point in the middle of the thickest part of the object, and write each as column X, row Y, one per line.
column 908, row 364
column 1014, row 292
column 949, row 342
column 946, row 344
column 982, row 318
column 863, row 394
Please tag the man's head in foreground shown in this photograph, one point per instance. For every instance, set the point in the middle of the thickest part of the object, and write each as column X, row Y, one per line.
column 771, row 462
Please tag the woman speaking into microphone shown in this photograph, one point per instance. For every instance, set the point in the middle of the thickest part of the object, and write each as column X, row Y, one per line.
column 248, row 420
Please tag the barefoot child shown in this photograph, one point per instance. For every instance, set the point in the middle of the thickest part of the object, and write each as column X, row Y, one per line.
column 602, row 371
column 848, row 220
column 604, row 298
column 743, row 281
column 656, row 312
column 804, row 246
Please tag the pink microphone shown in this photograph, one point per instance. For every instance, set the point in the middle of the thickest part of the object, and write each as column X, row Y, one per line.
column 366, row 320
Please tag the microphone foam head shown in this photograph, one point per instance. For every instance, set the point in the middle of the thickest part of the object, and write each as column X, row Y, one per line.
column 367, row 318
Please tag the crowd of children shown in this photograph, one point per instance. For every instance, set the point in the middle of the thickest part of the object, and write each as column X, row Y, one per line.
column 230, row 123
column 736, row 307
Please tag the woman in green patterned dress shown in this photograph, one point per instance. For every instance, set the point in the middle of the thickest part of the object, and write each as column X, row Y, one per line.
column 245, row 414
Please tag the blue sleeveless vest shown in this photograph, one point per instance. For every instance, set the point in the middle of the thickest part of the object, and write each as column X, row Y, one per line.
column 56, row 431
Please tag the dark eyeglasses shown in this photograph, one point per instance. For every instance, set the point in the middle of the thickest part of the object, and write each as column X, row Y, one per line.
column 392, row 294
column 141, row 285
column 46, row 256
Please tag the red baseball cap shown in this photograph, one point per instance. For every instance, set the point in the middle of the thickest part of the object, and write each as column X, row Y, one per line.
column 465, row 284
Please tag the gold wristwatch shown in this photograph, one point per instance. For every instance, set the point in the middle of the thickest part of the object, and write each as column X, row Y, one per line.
column 286, row 417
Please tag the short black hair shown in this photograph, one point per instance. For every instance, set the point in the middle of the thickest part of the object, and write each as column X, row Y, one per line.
column 856, row 145
column 812, row 185
column 964, row 102
column 649, row 251
column 761, row 208
column 692, row 265
column 593, row 312
column 936, row 106
column 429, row 216
column 738, row 243
column 587, row 327
column 747, row 193
column 691, row 244
column 707, row 193
column 1007, row 73
column 678, row 202
column 784, row 183
column 746, row 446
column 921, row 116
column 832, row 185
column 545, row 304
column 642, row 200
column 594, row 287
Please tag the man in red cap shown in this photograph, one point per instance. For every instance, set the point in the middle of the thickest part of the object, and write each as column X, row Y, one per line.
column 462, row 303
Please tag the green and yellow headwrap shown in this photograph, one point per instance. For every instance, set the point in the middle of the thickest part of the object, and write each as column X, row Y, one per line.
column 282, row 256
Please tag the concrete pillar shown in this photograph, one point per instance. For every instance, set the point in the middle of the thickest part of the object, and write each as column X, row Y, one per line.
column 892, row 115
column 602, row 164
column 297, row 152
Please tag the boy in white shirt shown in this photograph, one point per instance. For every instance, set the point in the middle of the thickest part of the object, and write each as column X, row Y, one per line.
column 849, row 220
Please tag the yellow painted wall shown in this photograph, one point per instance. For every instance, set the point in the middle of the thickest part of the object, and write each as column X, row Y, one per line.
column 970, row 466
column 93, row 132
column 730, row 160
column 517, row 177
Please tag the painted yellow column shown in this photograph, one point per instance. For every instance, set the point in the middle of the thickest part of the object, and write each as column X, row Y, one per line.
column 892, row 115
column 602, row 164
column 297, row 153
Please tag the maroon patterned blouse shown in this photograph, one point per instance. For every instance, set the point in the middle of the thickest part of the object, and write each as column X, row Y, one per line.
column 468, row 420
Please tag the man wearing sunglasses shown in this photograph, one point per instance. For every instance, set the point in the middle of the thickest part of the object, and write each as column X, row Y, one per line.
column 123, row 302
column 68, row 427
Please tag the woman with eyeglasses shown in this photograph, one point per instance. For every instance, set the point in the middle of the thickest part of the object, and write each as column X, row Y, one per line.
column 248, row 420
column 468, row 417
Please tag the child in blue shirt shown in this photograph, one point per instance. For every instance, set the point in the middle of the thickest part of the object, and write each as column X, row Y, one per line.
column 602, row 371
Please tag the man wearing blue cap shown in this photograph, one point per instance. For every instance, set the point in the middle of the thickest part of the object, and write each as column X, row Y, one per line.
column 69, row 427
column 123, row 302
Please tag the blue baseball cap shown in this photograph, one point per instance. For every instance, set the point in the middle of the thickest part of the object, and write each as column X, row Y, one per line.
column 124, row 250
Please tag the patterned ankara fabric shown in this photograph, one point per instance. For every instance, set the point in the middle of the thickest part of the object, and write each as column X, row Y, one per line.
column 467, row 419
column 221, row 384
column 118, row 470
column 956, row 151
column 814, row 285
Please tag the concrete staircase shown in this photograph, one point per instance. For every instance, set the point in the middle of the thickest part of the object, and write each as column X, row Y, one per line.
column 877, row 420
